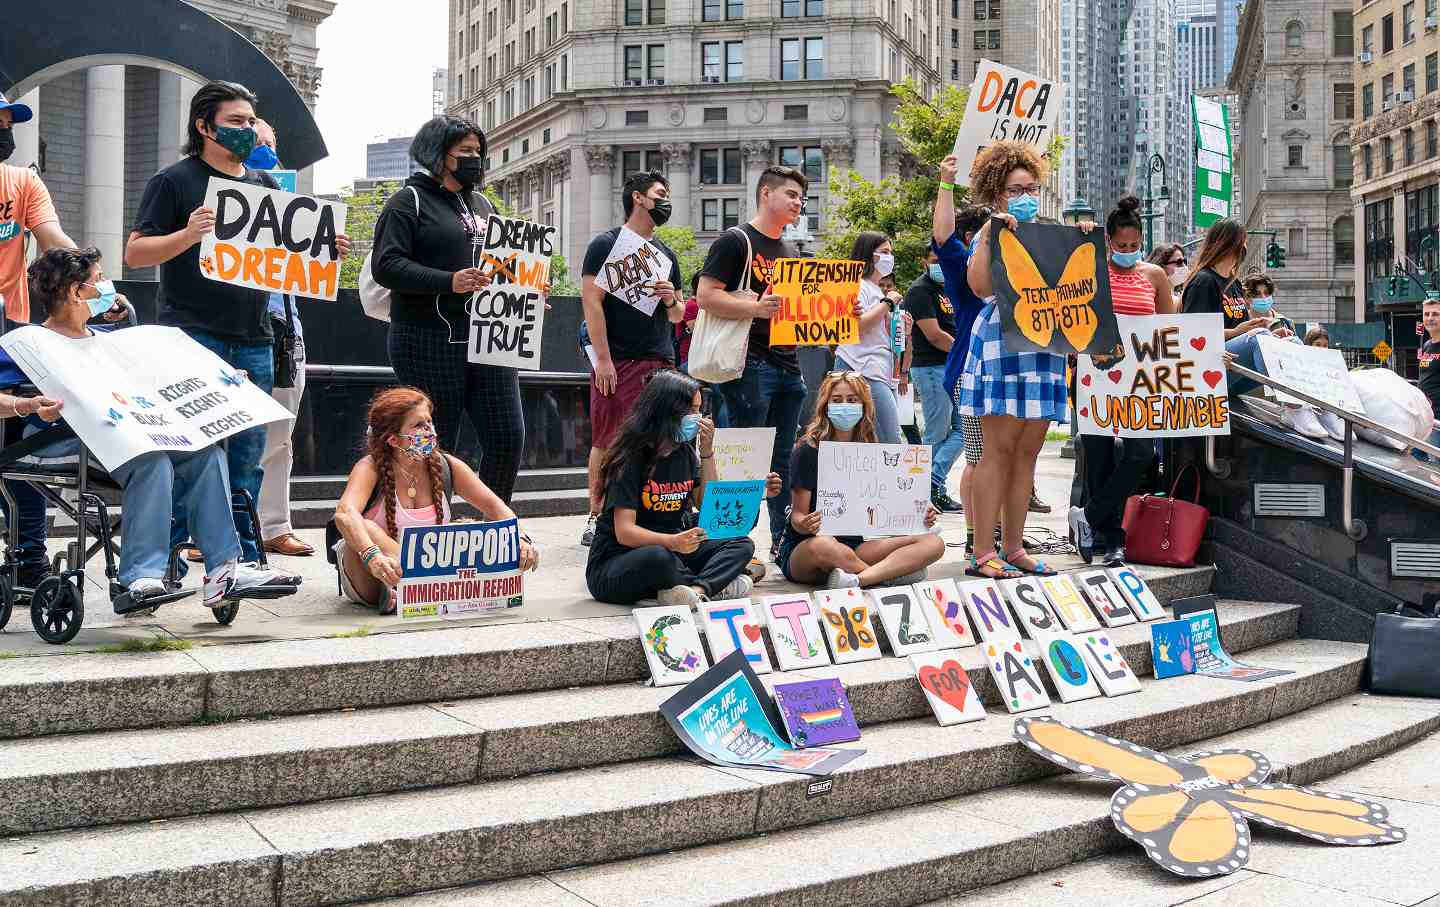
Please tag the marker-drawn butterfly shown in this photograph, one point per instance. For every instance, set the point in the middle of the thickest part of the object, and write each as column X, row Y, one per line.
column 852, row 628
column 1190, row 814
column 1040, row 312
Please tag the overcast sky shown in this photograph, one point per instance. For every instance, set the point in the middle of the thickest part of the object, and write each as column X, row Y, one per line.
column 377, row 59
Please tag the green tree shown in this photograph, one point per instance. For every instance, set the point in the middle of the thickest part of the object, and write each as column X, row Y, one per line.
column 360, row 227
column 682, row 241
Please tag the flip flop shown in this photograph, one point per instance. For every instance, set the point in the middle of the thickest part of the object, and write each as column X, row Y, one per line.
column 1003, row 569
column 1040, row 567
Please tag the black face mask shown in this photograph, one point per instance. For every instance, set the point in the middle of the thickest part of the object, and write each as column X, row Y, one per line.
column 468, row 171
column 661, row 212
column 7, row 144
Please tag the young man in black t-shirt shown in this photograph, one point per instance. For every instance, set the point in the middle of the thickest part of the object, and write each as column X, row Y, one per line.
column 932, row 339
column 770, row 391
column 1430, row 364
column 231, row 321
column 629, row 344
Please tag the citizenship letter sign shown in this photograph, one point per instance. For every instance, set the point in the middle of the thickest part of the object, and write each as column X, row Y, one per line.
column 508, row 316
column 271, row 240
column 818, row 301
column 1006, row 104
column 1171, row 383
column 459, row 569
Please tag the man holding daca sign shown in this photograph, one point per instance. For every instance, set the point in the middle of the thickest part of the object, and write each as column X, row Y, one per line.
column 229, row 318
column 274, row 241
column 627, row 287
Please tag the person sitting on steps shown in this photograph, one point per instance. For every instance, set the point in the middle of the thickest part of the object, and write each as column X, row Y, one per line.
column 845, row 411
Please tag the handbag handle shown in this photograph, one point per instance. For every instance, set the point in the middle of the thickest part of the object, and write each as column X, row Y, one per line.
column 1176, row 484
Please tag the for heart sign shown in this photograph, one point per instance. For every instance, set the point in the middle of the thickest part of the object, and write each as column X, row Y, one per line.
column 948, row 682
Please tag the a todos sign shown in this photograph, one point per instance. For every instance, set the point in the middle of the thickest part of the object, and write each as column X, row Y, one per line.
column 507, row 317
column 1006, row 105
column 459, row 569
column 270, row 240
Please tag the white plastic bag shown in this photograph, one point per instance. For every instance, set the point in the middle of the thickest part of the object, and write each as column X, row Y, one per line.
column 374, row 298
column 719, row 345
column 1394, row 403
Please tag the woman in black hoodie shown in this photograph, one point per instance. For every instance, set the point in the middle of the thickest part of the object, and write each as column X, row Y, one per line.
column 426, row 248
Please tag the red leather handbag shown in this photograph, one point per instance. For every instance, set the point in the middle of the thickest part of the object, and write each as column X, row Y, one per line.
column 1165, row 531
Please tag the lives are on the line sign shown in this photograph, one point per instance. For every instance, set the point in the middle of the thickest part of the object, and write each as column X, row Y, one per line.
column 507, row 317
column 271, row 240
column 459, row 569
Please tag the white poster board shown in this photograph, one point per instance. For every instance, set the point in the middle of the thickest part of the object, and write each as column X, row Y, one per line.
column 872, row 489
column 507, row 318
column 271, row 240
column 1314, row 370
column 743, row 454
column 1171, row 383
column 140, row 389
column 460, row 569
column 1006, row 104
column 632, row 269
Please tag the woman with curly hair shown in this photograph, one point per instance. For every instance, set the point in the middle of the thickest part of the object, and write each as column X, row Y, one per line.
column 403, row 480
column 845, row 411
column 1016, row 395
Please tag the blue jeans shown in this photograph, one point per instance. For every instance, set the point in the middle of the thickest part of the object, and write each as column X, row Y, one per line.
column 1246, row 350
column 193, row 484
column 242, row 451
column 30, row 520
column 767, row 396
column 942, row 422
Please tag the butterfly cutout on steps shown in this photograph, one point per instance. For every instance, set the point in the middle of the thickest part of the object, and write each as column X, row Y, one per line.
column 1190, row 815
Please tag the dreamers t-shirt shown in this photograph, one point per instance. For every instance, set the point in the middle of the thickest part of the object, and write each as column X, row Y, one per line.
column 1206, row 291
column 927, row 299
column 725, row 264
column 660, row 498
column 1430, row 373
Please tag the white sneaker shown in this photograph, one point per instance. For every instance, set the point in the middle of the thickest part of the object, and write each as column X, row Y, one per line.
column 145, row 587
column 235, row 581
column 739, row 587
column 217, row 585
column 839, row 579
column 277, row 576
column 679, row 595
column 1334, row 425
column 1302, row 419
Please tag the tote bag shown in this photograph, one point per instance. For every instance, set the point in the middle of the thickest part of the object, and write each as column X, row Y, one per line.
column 719, row 345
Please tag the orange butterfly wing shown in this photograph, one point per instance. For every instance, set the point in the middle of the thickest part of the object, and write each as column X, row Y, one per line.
column 1102, row 757
column 1325, row 816
column 1194, row 838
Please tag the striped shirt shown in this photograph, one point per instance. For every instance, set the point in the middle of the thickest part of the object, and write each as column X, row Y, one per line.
column 1131, row 293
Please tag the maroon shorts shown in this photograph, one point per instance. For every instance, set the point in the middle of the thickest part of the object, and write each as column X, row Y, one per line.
column 607, row 413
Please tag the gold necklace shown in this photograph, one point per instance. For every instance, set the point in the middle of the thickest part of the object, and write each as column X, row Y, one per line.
column 410, row 491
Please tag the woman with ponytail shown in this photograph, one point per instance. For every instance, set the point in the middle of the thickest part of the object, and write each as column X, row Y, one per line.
column 403, row 480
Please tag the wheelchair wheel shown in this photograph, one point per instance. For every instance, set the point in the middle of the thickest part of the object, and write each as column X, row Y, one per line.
column 57, row 610
column 225, row 615
column 7, row 599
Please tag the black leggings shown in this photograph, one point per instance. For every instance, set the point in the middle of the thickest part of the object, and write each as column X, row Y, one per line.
column 1112, row 474
column 424, row 358
column 636, row 573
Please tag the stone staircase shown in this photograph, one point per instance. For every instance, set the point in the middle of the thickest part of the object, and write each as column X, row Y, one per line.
column 523, row 764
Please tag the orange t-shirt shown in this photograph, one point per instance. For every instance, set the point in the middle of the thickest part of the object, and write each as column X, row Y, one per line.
column 24, row 205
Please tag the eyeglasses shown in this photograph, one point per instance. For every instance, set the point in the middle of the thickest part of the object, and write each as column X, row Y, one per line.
column 1014, row 192
column 1177, row 262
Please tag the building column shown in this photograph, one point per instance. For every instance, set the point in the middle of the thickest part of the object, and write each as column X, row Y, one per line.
column 27, row 135
column 756, row 157
column 1362, row 289
column 171, row 112
column 105, row 164
column 677, row 167
column 601, row 159
column 1398, row 220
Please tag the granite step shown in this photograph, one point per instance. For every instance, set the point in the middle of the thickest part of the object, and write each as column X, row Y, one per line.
column 100, row 778
column 918, row 854
column 111, row 692
column 402, row 843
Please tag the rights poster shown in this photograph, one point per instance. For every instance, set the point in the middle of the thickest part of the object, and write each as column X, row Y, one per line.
column 818, row 297
column 271, row 240
column 726, row 718
column 140, row 389
column 1170, row 384
column 1053, row 289
column 507, row 318
column 459, row 569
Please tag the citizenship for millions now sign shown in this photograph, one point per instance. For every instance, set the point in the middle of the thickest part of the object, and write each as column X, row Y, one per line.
column 460, row 569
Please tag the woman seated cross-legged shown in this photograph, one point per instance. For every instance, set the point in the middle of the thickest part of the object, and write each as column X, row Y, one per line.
column 845, row 411
column 404, row 480
column 646, row 544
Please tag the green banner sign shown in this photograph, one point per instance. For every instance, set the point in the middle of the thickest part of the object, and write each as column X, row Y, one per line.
column 1212, row 177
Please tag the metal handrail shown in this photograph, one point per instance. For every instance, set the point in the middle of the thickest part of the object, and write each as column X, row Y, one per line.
column 1356, row 529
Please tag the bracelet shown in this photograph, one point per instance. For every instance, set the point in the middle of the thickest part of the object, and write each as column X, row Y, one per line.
column 711, row 457
column 369, row 555
column 950, row 186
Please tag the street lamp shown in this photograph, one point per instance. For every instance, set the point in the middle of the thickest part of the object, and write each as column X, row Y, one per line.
column 1077, row 211
column 1157, row 165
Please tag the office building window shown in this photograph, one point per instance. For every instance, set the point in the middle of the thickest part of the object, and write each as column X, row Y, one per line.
column 460, row 85
column 637, row 118
column 634, row 63
column 1367, row 101
column 734, row 61
column 1387, row 153
column 994, row 39
column 954, row 39
column 634, row 12
column 1407, row 22
column 657, row 12
column 1407, row 146
column 1295, row 156
column 731, row 214
column 954, row 70
column 809, row 160
column 790, row 66
column 734, row 9
column 655, row 66
column 1367, row 154
column 1407, row 80
column 565, row 73
column 980, row 10
column 1344, row 235
column 1343, row 165
column 1294, row 37
column 710, row 215
column 545, row 137
column 640, row 162
column 524, row 146
column 1420, row 221
column 719, row 166
column 1387, row 34
column 978, row 40
column 1367, row 39
column 1387, row 88
column 1379, row 238
column 1295, row 247
column 710, row 62
column 812, row 213
column 717, row 115
column 1344, row 100
column 1432, row 72
column 712, row 10
column 1432, row 139
column 814, row 58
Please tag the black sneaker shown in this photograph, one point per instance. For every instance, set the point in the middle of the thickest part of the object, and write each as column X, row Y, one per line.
column 588, row 535
column 945, row 504
column 1115, row 556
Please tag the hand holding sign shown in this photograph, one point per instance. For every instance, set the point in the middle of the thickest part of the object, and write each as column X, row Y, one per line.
column 1053, row 289
column 507, row 312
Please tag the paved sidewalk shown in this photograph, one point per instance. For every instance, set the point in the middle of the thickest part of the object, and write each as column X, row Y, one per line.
column 557, row 592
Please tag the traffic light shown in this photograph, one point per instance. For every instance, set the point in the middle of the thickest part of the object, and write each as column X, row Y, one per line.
column 1392, row 286
column 1274, row 255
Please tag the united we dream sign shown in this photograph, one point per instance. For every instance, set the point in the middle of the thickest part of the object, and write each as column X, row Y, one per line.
column 507, row 317
column 1171, row 383
column 271, row 240
column 818, row 301
column 872, row 489
column 1006, row 104
column 459, row 569
column 142, row 389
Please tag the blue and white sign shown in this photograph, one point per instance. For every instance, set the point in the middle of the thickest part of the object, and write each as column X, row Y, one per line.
column 459, row 569
column 729, row 509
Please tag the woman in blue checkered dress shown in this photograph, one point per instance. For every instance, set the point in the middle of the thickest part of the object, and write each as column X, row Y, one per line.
column 1015, row 395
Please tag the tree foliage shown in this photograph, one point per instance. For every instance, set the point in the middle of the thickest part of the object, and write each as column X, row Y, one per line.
column 682, row 241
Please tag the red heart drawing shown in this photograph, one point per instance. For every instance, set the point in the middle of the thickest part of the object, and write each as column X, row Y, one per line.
column 751, row 632
column 1212, row 378
column 1116, row 429
column 949, row 683
column 1198, row 342
column 1085, row 380
column 1085, row 411
column 1017, row 646
column 1115, row 376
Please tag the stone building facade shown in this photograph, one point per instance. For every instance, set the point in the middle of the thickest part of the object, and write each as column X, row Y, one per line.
column 1294, row 88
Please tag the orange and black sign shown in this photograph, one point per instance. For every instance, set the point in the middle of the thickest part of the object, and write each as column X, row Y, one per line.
column 1053, row 289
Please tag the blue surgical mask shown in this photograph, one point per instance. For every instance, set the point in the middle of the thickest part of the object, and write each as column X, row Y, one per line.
column 1025, row 208
column 262, row 158
column 105, row 301
column 937, row 274
column 1261, row 305
column 845, row 416
column 689, row 428
column 1126, row 259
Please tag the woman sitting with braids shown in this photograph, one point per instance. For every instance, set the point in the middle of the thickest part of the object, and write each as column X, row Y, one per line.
column 403, row 480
